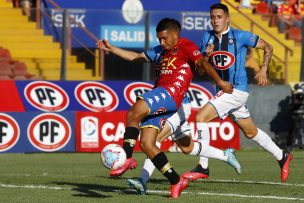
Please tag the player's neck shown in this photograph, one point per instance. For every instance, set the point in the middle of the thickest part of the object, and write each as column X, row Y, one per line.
column 219, row 35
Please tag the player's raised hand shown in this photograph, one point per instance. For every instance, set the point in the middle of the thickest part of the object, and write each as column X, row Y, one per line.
column 209, row 49
column 226, row 87
column 261, row 77
column 104, row 44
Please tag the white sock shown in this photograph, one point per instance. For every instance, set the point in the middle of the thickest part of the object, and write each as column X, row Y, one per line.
column 202, row 147
column 264, row 141
column 148, row 168
column 203, row 161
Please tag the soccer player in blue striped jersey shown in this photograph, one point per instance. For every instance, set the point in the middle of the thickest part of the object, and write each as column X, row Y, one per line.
column 225, row 48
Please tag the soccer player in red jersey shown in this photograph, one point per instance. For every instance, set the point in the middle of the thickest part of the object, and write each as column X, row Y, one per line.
column 178, row 58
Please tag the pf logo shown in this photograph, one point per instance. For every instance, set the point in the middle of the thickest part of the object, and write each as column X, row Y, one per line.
column 96, row 96
column 9, row 132
column 222, row 60
column 135, row 89
column 198, row 95
column 46, row 96
column 49, row 132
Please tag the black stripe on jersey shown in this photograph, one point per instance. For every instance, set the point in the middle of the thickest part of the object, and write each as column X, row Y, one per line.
column 224, row 47
column 199, row 149
column 216, row 44
column 148, row 57
column 256, row 42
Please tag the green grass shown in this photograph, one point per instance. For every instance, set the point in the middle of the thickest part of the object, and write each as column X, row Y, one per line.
column 72, row 177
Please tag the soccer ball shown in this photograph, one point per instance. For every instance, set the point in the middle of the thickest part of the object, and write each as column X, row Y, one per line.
column 113, row 156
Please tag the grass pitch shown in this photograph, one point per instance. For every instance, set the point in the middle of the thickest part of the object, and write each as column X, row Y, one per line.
column 80, row 177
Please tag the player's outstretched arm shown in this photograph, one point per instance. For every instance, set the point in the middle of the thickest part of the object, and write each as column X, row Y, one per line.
column 225, row 86
column 125, row 54
column 261, row 76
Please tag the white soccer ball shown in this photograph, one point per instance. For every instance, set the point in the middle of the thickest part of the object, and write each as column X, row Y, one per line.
column 113, row 156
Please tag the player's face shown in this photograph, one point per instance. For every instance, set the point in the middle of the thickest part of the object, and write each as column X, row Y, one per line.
column 167, row 39
column 219, row 20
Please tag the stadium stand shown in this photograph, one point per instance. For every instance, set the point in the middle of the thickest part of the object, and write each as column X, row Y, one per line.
column 29, row 45
column 261, row 8
column 295, row 33
column 6, row 70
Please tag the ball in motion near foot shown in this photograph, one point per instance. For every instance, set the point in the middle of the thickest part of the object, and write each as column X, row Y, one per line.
column 113, row 156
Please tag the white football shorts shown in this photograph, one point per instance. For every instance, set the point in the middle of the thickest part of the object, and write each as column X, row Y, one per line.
column 179, row 121
column 233, row 105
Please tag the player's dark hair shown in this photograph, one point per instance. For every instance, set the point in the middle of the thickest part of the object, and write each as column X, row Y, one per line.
column 168, row 24
column 220, row 6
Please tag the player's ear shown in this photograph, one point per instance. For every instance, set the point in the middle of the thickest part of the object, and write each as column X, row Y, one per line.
column 227, row 19
column 175, row 34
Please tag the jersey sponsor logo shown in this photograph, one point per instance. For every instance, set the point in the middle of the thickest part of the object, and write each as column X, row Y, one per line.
column 96, row 96
column 168, row 63
column 198, row 95
column 135, row 89
column 49, row 132
column 9, row 132
column 161, row 110
column 46, row 96
column 222, row 60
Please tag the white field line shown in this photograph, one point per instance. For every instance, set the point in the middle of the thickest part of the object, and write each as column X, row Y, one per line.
column 234, row 195
column 33, row 187
column 203, row 180
column 164, row 192
column 255, row 182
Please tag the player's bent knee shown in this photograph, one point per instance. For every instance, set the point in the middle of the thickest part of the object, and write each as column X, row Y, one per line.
column 133, row 116
column 145, row 146
column 251, row 134
column 187, row 150
column 200, row 118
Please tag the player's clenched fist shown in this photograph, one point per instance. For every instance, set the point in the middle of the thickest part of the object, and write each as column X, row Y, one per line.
column 104, row 44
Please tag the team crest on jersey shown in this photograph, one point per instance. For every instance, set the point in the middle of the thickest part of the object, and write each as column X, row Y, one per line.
column 196, row 53
column 174, row 52
column 162, row 123
column 222, row 60
column 160, row 110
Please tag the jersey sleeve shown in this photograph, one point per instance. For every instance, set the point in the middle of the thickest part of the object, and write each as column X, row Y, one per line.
column 203, row 44
column 193, row 53
column 154, row 54
column 248, row 38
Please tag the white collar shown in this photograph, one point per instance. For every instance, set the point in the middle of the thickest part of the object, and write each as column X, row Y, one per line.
column 226, row 31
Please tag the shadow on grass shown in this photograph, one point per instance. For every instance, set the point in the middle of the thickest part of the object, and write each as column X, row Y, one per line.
column 92, row 190
column 101, row 190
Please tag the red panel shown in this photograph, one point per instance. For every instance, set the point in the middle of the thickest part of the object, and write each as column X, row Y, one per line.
column 223, row 133
column 95, row 130
column 10, row 100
